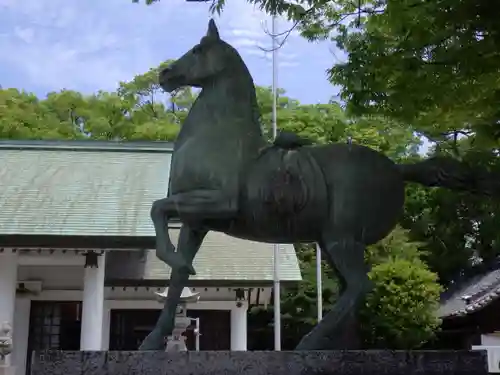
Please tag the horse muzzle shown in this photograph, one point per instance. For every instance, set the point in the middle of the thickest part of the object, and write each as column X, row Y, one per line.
column 169, row 81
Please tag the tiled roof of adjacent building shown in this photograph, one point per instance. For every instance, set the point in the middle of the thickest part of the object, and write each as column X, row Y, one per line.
column 472, row 295
column 93, row 188
column 220, row 258
column 72, row 188
column 236, row 260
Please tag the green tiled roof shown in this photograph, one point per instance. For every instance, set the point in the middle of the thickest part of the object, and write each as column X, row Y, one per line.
column 92, row 188
column 82, row 187
column 223, row 257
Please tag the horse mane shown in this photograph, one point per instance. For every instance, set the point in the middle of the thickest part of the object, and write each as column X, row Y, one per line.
column 244, row 74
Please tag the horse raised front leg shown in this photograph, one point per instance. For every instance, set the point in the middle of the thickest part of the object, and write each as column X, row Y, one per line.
column 189, row 243
column 193, row 206
column 162, row 211
column 337, row 329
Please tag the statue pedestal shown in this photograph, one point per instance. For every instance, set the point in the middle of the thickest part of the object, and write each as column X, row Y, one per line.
column 373, row 362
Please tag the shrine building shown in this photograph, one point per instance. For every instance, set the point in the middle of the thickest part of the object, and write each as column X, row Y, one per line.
column 66, row 206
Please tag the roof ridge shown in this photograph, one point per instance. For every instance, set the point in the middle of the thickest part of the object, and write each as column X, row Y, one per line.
column 86, row 145
column 473, row 274
column 487, row 288
column 477, row 293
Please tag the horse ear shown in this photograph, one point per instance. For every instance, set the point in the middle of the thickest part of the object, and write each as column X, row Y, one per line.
column 212, row 30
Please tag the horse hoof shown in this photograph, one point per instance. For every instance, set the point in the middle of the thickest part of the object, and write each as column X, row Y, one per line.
column 186, row 268
column 191, row 270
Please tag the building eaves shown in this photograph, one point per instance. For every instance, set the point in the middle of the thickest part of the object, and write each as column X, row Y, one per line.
column 472, row 296
column 87, row 145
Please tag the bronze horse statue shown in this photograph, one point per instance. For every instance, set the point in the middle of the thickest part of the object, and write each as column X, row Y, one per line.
column 226, row 177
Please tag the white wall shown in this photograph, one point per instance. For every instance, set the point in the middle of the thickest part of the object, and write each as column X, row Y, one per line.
column 491, row 343
column 239, row 324
column 53, row 277
column 20, row 334
column 491, row 339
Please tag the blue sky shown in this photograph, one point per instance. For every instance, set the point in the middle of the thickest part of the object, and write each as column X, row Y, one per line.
column 88, row 45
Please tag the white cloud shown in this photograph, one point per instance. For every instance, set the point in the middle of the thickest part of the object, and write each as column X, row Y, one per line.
column 94, row 44
column 249, row 30
column 244, row 42
column 288, row 64
column 70, row 43
column 25, row 34
column 245, row 33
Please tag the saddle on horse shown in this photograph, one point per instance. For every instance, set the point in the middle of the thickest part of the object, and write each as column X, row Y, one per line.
column 290, row 141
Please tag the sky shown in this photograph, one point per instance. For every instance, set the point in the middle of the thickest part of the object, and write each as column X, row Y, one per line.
column 90, row 45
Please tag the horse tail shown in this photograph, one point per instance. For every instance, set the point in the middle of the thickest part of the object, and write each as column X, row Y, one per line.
column 451, row 174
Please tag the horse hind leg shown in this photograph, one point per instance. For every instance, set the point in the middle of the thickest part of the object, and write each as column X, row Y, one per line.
column 190, row 241
column 338, row 329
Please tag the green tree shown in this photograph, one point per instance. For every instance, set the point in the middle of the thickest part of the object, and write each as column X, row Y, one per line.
column 138, row 110
column 108, row 117
column 327, row 123
column 457, row 228
column 150, row 101
column 24, row 116
column 401, row 310
column 434, row 64
column 396, row 245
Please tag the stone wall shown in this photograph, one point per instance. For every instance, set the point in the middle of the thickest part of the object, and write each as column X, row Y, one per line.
column 261, row 363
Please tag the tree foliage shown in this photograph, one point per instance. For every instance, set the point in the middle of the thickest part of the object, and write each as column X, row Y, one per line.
column 138, row 110
column 433, row 63
column 401, row 310
column 458, row 228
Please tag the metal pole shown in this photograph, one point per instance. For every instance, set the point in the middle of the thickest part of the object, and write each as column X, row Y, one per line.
column 276, row 275
column 197, row 337
column 319, row 283
column 275, row 78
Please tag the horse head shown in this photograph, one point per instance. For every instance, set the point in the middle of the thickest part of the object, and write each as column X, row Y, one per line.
column 200, row 66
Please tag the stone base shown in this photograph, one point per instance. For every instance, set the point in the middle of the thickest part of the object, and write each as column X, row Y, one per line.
column 261, row 363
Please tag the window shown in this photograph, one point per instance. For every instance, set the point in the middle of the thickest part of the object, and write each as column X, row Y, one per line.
column 54, row 325
column 128, row 328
